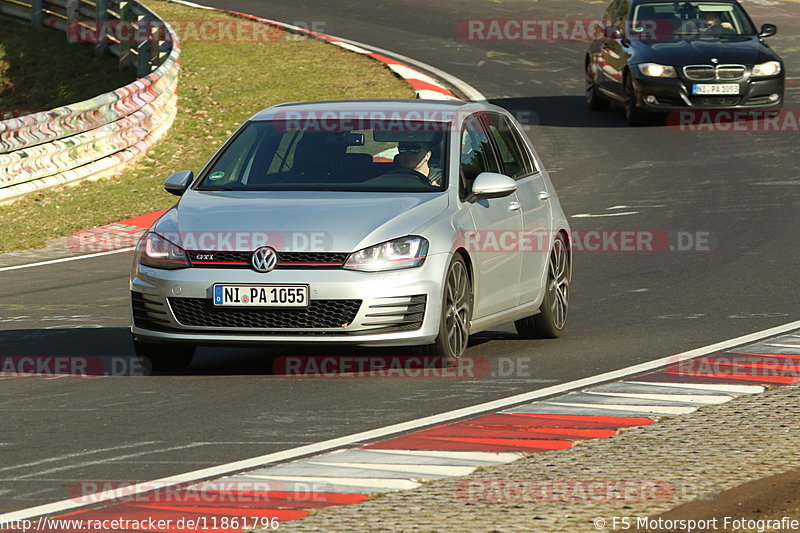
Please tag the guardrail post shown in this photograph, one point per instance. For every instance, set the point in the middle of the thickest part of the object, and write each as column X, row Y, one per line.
column 127, row 17
column 37, row 15
column 72, row 20
column 101, row 19
column 145, row 49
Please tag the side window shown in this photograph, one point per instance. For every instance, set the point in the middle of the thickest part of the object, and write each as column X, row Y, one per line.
column 622, row 14
column 476, row 154
column 512, row 150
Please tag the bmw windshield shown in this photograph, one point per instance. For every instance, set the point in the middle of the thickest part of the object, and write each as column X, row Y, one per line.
column 690, row 20
column 332, row 155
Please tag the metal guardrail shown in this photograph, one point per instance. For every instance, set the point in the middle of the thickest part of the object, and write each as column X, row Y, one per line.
column 98, row 136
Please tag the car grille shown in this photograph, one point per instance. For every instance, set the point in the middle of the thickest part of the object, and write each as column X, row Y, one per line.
column 715, row 101
column 148, row 313
column 402, row 313
column 201, row 312
column 730, row 72
column 286, row 260
column 712, row 73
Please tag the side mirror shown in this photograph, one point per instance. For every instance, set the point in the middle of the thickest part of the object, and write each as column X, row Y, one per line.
column 493, row 185
column 768, row 30
column 613, row 32
column 178, row 182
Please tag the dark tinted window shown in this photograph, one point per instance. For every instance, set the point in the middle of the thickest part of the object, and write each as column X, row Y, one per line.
column 477, row 154
column 511, row 149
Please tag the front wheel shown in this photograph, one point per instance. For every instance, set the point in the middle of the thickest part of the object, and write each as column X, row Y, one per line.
column 635, row 115
column 549, row 322
column 165, row 357
column 456, row 313
column 593, row 98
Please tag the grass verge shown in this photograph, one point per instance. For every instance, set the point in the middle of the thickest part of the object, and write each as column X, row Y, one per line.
column 221, row 84
column 39, row 71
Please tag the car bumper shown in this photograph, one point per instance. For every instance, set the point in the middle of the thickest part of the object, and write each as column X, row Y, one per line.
column 366, row 308
column 669, row 94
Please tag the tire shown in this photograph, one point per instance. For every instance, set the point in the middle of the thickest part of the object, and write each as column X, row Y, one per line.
column 551, row 319
column 455, row 315
column 635, row 115
column 593, row 98
column 164, row 357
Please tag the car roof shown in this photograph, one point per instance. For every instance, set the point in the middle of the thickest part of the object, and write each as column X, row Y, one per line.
column 432, row 108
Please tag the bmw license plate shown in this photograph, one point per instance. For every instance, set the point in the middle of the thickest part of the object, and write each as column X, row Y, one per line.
column 261, row 295
column 715, row 88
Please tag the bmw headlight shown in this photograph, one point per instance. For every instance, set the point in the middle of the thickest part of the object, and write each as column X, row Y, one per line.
column 654, row 70
column 405, row 252
column 156, row 251
column 770, row 68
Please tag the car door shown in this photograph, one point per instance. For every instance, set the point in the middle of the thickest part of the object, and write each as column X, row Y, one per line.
column 615, row 49
column 533, row 196
column 497, row 265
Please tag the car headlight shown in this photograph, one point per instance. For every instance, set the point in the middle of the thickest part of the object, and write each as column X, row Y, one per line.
column 654, row 70
column 405, row 252
column 770, row 68
column 156, row 251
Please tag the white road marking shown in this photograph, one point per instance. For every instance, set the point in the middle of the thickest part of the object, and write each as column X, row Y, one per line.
column 633, row 207
column 374, row 434
column 654, row 409
column 380, row 483
column 74, row 455
column 588, row 215
column 736, row 389
column 65, row 259
column 442, row 470
column 108, row 460
column 489, row 457
column 689, row 398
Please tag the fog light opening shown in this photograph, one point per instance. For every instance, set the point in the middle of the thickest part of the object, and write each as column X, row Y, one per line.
column 650, row 99
column 774, row 97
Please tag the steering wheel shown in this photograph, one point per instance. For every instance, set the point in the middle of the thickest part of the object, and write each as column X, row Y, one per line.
column 419, row 175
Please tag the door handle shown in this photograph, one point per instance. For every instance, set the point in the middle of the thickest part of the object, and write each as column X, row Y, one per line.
column 544, row 195
column 513, row 205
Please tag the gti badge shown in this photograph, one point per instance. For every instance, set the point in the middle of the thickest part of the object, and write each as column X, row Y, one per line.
column 264, row 259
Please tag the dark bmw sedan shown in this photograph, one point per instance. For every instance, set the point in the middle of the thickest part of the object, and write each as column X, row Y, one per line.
column 655, row 56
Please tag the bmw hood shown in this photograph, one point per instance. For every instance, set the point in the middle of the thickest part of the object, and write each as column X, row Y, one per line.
column 295, row 221
column 743, row 51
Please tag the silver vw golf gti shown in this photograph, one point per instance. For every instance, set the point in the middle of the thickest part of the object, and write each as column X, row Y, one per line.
column 371, row 222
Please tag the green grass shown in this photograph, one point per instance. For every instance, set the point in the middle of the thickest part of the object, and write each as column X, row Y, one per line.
column 221, row 84
column 40, row 71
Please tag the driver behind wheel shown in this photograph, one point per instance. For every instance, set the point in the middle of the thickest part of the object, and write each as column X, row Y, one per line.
column 416, row 156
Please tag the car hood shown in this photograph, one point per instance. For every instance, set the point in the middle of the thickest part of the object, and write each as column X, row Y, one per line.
column 295, row 221
column 742, row 50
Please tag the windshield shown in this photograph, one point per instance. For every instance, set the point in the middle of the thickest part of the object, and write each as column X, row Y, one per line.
column 681, row 20
column 334, row 155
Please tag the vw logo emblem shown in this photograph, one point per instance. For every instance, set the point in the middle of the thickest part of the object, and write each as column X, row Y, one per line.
column 264, row 259
column 714, row 60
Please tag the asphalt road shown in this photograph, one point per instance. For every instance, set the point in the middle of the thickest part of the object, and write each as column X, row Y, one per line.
column 739, row 193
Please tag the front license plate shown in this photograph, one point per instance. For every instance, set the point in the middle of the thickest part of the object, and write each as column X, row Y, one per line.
column 715, row 88
column 261, row 295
